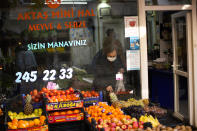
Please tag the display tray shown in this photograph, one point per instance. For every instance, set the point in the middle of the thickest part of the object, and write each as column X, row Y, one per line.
column 38, row 128
column 64, row 105
column 66, row 118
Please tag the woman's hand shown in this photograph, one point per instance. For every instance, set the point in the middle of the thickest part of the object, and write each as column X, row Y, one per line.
column 121, row 70
column 109, row 88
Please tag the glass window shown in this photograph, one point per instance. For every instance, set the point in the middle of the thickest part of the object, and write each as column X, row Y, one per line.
column 78, row 44
column 168, row 2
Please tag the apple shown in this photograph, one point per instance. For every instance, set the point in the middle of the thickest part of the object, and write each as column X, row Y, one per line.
column 99, row 126
column 112, row 125
column 107, row 129
column 130, row 126
column 119, row 123
column 134, row 120
column 135, row 125
column 113, row 129
column 115, row 120
column 124, row 127
column 117, row 128
column 141, row 122
column 141, row 126
column 100, row 121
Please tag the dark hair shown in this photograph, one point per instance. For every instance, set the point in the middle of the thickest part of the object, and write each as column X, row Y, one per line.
column 109, row 45
column 109, row 31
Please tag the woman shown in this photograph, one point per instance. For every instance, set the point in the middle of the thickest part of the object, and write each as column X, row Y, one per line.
column 107, row 65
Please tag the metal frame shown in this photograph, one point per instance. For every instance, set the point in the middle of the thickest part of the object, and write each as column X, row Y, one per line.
column 178, row 72
column 142, row 8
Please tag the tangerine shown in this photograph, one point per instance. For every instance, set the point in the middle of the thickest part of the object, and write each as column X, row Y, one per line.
column 22, row 125
column 69, row 112
column 56, row 113
column 76, row 111
column 31, row 123
column 36, row 122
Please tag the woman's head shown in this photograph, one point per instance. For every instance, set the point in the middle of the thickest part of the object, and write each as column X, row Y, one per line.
column 110, row 49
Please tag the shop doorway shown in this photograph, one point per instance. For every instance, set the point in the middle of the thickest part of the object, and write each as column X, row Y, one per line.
column 170, row 61
column 182, row 64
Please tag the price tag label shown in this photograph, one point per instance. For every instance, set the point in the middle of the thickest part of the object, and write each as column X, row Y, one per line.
column 119, row 76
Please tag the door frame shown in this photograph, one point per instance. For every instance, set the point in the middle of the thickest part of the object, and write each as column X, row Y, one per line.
column 187, row 74
column 142, row 8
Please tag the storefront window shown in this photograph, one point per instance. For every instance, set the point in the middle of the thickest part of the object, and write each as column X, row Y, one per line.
column 167, row 2
column 66, row 44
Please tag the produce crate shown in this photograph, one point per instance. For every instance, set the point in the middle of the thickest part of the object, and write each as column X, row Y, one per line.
column 38, row 128
column 64, row 105
column 66, row 118
column 90, row 101
column 69, row 126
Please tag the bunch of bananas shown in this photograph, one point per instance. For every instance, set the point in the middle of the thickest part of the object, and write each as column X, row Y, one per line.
column 151, row 119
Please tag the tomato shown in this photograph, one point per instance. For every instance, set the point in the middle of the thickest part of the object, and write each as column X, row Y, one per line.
column 85, row 95
column 51, row 94
column 31, row 93
column 67, row 92
column 89, row 95
column 58, row 93
column 35, row 92
column 71, row 90
column 63, row 93
column 36, row 100
column 82, row 92
column 46, row 94
column 44, row 89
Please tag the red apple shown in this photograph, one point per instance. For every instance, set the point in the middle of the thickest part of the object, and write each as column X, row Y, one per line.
column 135, row 125
column 124, row 127
column 130, row 126
column 141, row 126
column 112, row 125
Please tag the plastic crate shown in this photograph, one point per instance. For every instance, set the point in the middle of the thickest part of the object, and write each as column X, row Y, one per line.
column 69, row 126
column 35, row 105
column 90, row 101
column 66, row 118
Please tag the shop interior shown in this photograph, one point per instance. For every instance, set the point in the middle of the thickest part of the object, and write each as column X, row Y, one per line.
column 160, row 57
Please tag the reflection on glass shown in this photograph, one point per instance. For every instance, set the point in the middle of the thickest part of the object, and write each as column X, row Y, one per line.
column 183, row 96
column 167, row 2
column 181, row 43
column 45, row 41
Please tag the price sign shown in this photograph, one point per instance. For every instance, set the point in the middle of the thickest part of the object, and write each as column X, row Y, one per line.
column 48, row 75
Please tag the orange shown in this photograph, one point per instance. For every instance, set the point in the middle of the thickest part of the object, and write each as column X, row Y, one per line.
column 42, row 117
column 20, row 122
column 14, row 121
column 76, row 111
column 63, row 113
column 31, row 123
column 90, row 119
column 36, row 122
column 22, row 125
column 69, row 112
column 26, row 124
column 56, row 113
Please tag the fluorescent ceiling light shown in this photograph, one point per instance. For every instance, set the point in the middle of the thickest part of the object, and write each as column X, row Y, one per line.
column 71, row 2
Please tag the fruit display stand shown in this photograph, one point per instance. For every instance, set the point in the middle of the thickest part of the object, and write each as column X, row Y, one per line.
column 17, row 120
column 64, row 111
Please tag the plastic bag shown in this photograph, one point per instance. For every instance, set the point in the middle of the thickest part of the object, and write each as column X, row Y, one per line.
column 119, row 83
